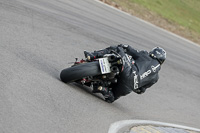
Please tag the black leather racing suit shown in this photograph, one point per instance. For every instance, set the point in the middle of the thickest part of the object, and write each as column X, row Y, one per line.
column 140, row 71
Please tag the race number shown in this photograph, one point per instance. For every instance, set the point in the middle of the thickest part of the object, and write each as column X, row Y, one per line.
column 104, row 65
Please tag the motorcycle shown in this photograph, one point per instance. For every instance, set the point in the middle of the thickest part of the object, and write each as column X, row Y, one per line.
column 99, row 72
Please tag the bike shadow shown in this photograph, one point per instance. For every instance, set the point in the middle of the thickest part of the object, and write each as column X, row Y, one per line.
column 117, row 105
column 87, row 90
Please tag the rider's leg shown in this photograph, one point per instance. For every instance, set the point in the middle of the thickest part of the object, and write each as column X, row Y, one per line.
column 100, row 53
column 106, row 92
column 109, row 97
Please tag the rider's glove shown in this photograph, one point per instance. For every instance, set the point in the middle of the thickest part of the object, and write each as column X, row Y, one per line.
column 120, row 50
column 125, row 46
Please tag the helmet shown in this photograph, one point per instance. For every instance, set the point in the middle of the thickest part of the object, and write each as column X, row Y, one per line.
column 159, row 54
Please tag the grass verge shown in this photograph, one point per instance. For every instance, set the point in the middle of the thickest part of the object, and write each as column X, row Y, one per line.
column 181, row 17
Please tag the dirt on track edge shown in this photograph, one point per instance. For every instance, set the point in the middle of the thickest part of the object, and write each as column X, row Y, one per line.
column 157, row 20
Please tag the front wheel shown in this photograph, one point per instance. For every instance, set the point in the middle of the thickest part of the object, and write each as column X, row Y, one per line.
column 79, row 71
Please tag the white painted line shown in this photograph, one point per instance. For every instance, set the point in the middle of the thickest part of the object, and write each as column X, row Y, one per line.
column 115, row 127
column 148, row 23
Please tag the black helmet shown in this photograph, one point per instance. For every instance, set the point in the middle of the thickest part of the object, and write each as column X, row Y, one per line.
column 158, row 53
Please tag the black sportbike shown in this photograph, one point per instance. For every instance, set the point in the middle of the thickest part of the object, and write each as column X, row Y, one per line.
column 99, row 72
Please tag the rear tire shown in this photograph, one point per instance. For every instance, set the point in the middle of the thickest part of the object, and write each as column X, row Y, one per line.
column 79, row 71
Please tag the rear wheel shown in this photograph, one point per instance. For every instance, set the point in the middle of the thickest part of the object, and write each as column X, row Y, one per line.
column 79, row 71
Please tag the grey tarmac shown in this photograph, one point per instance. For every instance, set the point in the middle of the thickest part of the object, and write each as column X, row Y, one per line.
column 40, row 38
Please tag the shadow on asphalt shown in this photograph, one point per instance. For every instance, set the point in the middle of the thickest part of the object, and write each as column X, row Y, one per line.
column 86, row 89
column 117, row 105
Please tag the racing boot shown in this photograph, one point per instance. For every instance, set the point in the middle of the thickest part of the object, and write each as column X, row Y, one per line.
column 99, row 89
column 96, row 54
column 106, row 92
column 89, row 56
column 109, row 97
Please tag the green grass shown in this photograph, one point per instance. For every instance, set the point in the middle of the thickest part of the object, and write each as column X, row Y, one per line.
column 182, row 12
column 179, row 16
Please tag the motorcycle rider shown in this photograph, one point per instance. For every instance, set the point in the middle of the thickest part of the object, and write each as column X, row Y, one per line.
column 140, row 70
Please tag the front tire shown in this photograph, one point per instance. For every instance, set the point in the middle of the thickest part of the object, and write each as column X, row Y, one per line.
column 79, row 71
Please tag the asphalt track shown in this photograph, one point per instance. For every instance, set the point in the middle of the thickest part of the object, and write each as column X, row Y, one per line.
column 39, row 38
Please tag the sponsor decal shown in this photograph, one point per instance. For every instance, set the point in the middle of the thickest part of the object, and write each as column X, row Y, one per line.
column 145, row 74
column 102, row 68
column 104, row 65
column 155, row 67
column 158, row 52
column 126, row 60
column 135, row 80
